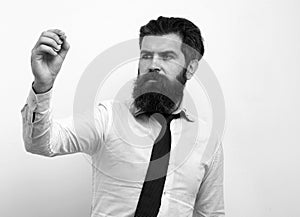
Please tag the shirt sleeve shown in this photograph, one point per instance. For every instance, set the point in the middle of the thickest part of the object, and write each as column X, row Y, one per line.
column 44, row 136
column 210, row 198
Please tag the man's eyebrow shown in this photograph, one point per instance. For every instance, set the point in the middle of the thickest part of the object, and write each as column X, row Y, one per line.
column 168, row 52
column 160, row 53
column 146, row 51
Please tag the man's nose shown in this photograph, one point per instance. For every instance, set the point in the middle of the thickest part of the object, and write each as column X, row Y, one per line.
column 156, row 69
column 155, row 65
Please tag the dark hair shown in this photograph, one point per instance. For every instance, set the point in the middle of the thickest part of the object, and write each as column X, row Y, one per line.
column 189, row 33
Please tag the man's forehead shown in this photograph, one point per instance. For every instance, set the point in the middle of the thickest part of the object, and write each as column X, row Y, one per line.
column 161, row 42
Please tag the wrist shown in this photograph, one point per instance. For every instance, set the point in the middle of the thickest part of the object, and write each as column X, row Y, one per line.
column 40, row 87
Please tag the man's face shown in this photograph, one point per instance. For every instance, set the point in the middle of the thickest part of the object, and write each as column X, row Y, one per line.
column 162, row 52
column 160, row 83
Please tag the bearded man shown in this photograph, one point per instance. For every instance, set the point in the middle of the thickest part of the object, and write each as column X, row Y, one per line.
column 150, row 155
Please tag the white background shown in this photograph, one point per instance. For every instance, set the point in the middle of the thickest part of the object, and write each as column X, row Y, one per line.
column 253, row 48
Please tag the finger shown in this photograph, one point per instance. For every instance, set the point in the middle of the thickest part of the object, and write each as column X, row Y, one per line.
column 57, row 31
column 45, row 49
column 64, row 47
column 52, row 35
column 49, row 42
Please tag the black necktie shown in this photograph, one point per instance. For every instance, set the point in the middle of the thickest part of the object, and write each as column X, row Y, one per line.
column 150, row 197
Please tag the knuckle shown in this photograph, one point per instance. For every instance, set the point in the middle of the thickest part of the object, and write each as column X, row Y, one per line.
column 40, row 47
column 44, row 47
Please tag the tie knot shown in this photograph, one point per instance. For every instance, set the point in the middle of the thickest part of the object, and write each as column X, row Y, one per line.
column 165, row 118
column 170, row 117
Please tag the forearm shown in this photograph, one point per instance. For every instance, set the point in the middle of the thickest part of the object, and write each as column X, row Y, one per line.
column 44, row 136
column 36, row 117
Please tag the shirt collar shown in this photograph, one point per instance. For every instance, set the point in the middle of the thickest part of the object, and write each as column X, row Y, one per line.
column 181, row 109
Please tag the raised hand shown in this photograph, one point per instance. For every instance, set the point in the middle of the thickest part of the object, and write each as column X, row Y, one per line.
column 47, row 57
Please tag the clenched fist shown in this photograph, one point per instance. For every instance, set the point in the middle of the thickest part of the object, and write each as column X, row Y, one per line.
column 47, row 57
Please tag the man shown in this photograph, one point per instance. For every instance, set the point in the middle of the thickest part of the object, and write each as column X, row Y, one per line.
column 144, row 173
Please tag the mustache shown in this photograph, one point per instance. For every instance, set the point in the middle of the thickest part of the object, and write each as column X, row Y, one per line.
column 151, row 76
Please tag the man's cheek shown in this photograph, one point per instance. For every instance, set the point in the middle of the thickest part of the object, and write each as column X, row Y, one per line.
column 141, row 71
column 143, row 68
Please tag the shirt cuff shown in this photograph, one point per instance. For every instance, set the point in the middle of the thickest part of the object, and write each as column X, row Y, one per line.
column 39, row 102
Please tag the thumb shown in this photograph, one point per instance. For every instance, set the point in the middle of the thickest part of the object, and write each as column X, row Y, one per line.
column 64, row 47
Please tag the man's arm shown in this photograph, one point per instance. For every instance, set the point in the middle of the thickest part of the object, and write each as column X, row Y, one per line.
column 41, row 134
column 210, row 198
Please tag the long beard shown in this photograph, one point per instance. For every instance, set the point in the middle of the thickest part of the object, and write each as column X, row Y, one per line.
column 155, row 93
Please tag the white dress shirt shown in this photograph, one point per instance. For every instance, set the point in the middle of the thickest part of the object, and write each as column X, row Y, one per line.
column 119, row 141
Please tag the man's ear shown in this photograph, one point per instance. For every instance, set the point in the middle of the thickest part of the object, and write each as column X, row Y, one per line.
column 191, row 68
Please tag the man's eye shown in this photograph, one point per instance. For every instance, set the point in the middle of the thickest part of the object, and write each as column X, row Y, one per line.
column 167, row 57
column 146, row 56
